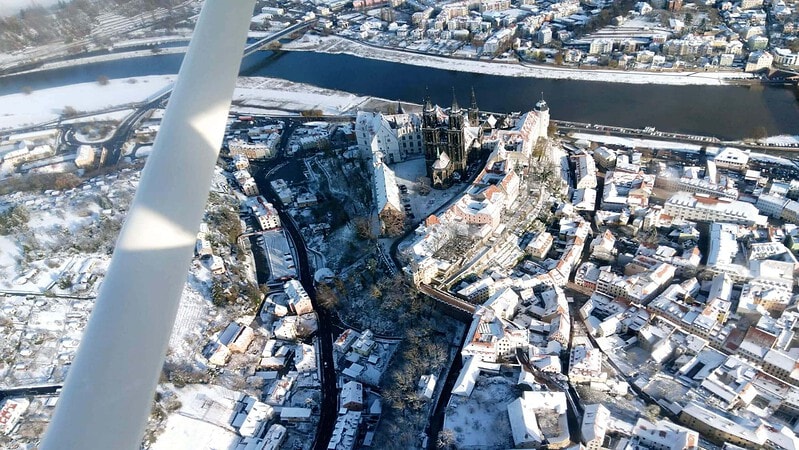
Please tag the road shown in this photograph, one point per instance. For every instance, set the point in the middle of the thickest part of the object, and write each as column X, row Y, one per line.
column 329, row 406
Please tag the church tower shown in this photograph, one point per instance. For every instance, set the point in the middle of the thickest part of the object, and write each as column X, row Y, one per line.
column 455, row 136
column 474, row 112
column 430, row 136
column 542, row 110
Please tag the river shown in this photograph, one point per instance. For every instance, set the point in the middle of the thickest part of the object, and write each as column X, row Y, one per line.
column 727, row 112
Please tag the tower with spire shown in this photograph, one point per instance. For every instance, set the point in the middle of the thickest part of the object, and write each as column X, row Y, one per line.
column 474, row 112
column 542, row 110
column 444, row 134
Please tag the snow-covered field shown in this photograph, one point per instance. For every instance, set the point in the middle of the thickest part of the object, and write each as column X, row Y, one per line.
column 783, row 139
column 333, row 44
column 255, row 94
column 282, row 97
column 46, row 105
column 481, row 420
column 201, row 421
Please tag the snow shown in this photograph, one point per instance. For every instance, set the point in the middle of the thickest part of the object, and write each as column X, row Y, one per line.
column 47, row 104
column 285, row 97
column 634, row 142
column 782, row 139
column 481, row 420
column 201, row 421
column 407, row 173
column 111, row 116
column 194, row 315
column 10, row 7
column 336, row 45
column 183, row 432
column 9, row 253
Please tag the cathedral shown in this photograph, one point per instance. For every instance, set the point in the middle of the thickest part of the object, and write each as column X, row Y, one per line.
column 451, row 140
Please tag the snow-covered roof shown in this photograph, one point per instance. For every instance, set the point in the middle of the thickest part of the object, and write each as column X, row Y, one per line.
column 386, row 190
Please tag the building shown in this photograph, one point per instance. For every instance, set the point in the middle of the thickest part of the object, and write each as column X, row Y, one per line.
column 241, row 162
column 251, row 150
column 11, row 411
column 538, row 417
column 282, row 191
column 85, row 158
column 387, row 200
column 395, row 136
column 585, row 364
column 785, row 57
column 451, row 141
column 299, row 301
column 758, row 60
column 721, row 429
column 584, row 171
column 264, row 212
column 345, row 431
column 352, row 396
column 702, row 208
column 594, row 426
column 771, row 205
column 732, row 158
column 663, row 435
column 600, row 46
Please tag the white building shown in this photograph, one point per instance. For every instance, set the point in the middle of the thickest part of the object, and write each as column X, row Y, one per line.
column 584, row 171
column 264, row 212
column 395, row 136
column 299, row 301
column 387, row 199
column 758, row 61
column 594, row 426
column 771, row 205
column 600, row 46
column 732, row 158
column 702, row 208
column 85, row 158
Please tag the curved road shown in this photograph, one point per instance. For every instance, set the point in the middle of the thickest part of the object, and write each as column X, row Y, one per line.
column 329, row 407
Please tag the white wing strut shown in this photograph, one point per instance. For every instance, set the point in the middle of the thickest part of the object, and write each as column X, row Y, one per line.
column 109, row 390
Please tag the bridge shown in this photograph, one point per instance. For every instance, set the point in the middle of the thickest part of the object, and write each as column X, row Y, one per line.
column 299, row 26
column 783, row 73
column 447, row 299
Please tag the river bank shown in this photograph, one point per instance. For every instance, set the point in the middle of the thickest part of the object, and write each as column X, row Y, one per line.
column 338, row 45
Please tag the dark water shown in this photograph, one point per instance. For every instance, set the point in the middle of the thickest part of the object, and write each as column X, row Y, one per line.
column 728, row 112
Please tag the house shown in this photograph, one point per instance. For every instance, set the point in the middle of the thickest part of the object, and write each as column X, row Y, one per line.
column 352, row 396
column 387, row 199
column 299, row 301
column 538, row 417
column 594, row 426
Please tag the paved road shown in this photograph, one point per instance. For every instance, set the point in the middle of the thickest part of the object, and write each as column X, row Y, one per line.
column 329, row 406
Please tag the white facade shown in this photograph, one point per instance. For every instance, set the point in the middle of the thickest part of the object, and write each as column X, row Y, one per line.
column 697, row 207
column 396, row 136
column 758, row 60
column 584, row 171
column 771, row 205
column 732, row 158
column 85, row 156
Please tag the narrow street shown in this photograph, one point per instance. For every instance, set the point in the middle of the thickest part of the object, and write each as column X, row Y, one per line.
column 329, row 405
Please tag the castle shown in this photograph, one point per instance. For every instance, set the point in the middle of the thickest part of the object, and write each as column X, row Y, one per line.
column 451, row 139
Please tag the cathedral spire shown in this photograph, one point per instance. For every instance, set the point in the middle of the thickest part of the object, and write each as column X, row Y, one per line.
column 455, row 107
column 399, row 108
column 474, row 100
